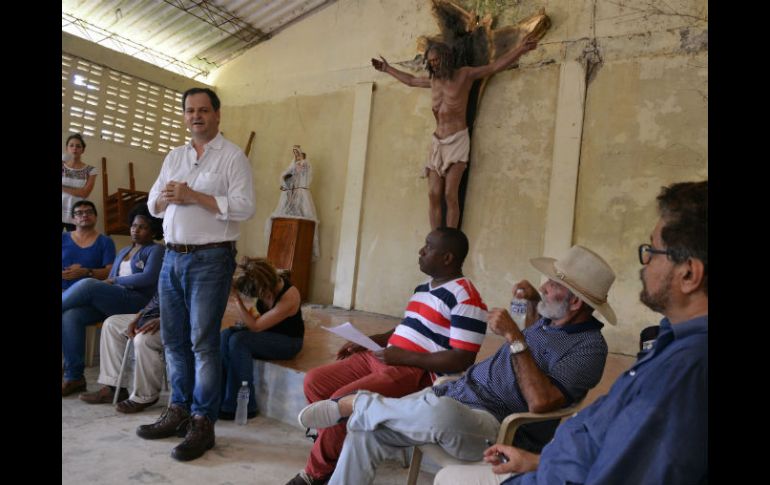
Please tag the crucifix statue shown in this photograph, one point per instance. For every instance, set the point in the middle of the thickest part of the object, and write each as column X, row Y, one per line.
column 459, row 61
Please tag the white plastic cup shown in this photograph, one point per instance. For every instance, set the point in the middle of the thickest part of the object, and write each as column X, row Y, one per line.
column 518, row 309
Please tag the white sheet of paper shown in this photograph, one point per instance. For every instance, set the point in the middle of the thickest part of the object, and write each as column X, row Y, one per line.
column 349, row 332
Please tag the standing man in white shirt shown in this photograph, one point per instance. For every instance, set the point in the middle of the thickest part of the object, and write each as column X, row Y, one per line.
column 204, row 190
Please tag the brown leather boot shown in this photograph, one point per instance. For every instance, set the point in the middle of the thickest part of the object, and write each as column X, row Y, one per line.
column 200, row 437
column 173, row 422
column 104, row 395
column 71, row 387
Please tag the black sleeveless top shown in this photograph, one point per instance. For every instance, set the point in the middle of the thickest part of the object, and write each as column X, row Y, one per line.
column 292, row 326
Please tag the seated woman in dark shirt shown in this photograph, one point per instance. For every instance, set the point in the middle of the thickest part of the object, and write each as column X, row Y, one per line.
column 272, row 330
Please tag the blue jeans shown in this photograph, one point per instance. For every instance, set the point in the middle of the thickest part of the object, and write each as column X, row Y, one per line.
column 88, row 302
column 381, row 426
column 239, row 348
column 193, row 290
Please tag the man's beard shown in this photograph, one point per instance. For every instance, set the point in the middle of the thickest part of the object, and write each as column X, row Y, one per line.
column 658, row 301
column 441, row 72
column 553, row 310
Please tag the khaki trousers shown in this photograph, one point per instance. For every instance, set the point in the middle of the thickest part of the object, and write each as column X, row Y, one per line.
column 148, row 357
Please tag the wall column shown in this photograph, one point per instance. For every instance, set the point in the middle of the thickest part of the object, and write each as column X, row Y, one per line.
column 347, row 253
column 570, row 107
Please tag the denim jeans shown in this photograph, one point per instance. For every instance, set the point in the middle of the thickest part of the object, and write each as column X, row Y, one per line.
column 381, row 427
column 193, row 289
column 88, row 302
column 239, row 349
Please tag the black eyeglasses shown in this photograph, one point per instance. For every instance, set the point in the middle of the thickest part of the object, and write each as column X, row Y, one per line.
column 646, row 251
column 87, row 212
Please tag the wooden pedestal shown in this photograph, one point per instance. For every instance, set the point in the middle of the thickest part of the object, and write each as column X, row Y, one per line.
column 291, row 247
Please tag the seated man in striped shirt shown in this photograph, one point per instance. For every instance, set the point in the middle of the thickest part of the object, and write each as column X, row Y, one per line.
column 551, row 364
column 442, row 330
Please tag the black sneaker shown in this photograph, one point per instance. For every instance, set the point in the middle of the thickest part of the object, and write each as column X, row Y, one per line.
column 303, row 478
column 311, row 436
column 199, row 439
column 173, row 422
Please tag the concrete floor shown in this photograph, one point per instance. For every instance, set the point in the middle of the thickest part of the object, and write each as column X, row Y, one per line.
column 100, row 446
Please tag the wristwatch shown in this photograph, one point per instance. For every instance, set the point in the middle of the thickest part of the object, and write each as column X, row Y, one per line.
column 517, row 347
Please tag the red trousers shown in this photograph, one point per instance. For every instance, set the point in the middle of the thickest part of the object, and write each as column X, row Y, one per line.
column 360, row 371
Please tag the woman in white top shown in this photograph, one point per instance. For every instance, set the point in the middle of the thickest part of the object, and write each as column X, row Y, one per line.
column 77, row 179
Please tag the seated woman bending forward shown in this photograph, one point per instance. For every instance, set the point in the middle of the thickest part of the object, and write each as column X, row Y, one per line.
column 272, row 330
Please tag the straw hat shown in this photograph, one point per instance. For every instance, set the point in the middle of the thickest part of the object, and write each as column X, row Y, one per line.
column 585, row 273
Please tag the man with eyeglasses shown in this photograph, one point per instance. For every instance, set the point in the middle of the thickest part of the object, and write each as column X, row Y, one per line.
column 652, row 427
column 203, row 192
column 85, row 253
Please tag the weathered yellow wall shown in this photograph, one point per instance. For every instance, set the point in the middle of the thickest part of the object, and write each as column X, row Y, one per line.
column 637, row 140
column 321, row 124
column 508, row 184
column 325, row 52
column 645, row 126
column 394, row 221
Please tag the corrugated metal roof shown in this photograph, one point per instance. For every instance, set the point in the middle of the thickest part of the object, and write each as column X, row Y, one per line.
column 190, row 37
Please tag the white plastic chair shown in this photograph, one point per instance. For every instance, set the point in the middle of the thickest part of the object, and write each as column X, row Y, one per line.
column 507, row 431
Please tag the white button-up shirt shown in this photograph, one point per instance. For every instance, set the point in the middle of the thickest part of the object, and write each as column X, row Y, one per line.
column 224, row 172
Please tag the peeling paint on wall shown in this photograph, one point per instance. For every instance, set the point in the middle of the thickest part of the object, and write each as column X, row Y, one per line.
column 694, row 43
column 645, row 126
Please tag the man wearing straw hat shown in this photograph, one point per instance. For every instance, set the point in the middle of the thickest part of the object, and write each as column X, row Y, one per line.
column 652, row 427
column 550, row 364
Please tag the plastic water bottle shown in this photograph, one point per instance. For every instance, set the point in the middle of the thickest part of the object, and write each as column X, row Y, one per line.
column 519, row 309
column 243, row 403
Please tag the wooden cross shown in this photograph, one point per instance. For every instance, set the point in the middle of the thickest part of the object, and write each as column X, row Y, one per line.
column 475, row 43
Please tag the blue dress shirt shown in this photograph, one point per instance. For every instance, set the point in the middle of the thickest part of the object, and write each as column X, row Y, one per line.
column 652, row 427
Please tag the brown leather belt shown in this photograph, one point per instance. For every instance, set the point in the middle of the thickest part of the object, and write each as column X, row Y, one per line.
column 189, row 248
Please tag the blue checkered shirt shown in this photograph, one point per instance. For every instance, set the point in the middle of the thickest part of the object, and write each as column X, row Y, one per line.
column 572, row 356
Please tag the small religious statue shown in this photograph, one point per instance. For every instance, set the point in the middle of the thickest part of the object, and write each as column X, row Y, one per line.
column 295, row 201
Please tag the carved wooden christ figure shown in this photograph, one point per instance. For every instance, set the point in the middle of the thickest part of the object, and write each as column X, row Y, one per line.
column 458, row 62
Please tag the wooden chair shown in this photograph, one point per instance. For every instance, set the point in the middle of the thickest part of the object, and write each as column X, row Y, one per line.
column 91, row 343
column 508, row 429
column 118, row 205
